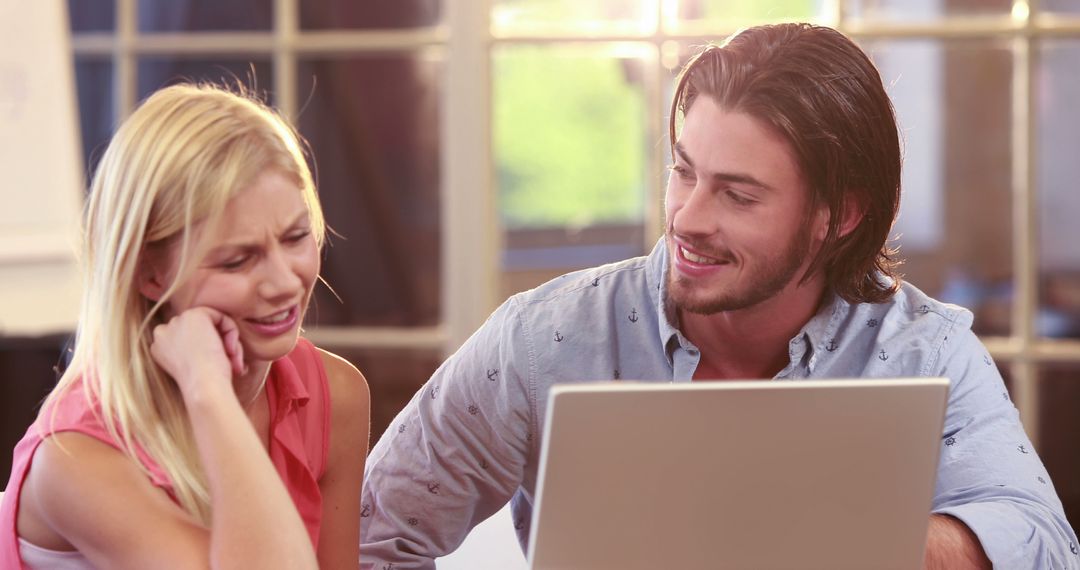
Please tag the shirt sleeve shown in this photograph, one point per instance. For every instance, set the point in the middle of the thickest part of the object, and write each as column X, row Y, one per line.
column 455, row 454
column 989, row 475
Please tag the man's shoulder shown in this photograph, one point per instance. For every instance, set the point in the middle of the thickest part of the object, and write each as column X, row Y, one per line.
column 626, row 277
column 910, row 305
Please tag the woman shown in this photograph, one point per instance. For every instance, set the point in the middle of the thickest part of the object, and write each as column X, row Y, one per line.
column 194, row 427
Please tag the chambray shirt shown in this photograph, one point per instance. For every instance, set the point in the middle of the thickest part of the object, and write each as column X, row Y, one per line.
column 469, row 440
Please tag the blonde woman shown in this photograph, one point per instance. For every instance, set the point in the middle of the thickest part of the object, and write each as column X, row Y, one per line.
column 194, row 427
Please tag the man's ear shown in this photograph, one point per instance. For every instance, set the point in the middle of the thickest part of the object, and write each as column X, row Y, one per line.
column 851, row 215
column 852, row 212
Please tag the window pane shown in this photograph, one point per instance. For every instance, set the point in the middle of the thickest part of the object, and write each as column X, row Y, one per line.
column 393, row 376
column 155, row 72
column 1060, row 6
column 570, row 156
column 349, row 14
column 1058, row 89
column 92, row 15
column 523, row 16
column 94, row 85
column 953, row 102
column 1059, row 429
column 927, row 9
column 205, row 15
column 373, row 124
column 734, row 13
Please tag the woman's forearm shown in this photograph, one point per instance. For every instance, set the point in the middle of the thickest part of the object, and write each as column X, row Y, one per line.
column 254, row 522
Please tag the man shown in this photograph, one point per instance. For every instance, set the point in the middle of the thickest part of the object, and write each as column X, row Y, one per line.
column 774, row 264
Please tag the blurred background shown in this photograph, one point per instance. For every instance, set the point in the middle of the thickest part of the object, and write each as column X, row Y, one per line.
column 470, row 149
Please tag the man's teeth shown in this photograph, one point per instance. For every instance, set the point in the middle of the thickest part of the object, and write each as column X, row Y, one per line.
column 275, row 318
column 690, row 256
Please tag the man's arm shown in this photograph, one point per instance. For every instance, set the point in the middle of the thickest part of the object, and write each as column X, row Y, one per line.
column 454, row 455
column 950, row 545
column 989, row 476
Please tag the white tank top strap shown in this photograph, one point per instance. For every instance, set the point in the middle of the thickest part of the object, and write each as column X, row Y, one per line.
column 37, row 558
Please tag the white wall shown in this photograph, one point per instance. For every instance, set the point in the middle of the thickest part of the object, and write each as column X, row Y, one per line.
column 40, row 169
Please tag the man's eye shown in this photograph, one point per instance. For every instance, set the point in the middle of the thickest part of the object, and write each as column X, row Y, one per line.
column 681, row 171
column 739, row 199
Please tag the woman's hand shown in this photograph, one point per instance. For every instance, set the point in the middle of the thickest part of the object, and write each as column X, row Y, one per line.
column 199, row 346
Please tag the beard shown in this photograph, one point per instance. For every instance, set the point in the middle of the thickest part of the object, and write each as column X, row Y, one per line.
column 763, row 280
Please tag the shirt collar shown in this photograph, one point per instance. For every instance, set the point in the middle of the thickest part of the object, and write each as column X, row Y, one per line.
column 818, row 332
column 289, row 390
column 656, row 277
column 821, row 330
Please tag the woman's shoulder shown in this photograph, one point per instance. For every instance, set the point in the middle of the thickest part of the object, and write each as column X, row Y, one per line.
column 348, row 389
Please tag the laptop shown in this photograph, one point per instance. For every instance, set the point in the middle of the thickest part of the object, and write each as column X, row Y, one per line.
column 783, row 474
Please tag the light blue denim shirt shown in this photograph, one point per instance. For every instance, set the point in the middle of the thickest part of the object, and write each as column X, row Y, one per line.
column 470, row 438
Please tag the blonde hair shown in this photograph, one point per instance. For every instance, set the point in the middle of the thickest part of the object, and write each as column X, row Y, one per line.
column 176, row 161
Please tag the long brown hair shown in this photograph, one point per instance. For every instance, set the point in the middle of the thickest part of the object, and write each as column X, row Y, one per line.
column 824, row 95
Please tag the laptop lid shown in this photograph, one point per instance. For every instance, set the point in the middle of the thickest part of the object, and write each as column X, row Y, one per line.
column 805, row 474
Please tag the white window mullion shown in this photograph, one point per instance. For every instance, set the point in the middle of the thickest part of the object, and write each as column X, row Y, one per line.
column 471, row 232
column 1025, row 256
column 124, row 59
column 285, row 31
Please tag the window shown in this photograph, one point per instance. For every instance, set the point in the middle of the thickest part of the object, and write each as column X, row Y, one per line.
column 468, row 150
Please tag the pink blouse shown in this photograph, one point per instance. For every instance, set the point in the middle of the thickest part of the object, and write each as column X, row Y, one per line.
column 299, row 402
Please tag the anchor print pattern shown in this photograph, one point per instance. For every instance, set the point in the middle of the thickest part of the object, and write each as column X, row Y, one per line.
column 853, row 331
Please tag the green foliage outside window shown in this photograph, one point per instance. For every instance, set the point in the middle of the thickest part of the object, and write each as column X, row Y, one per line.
column 569, row 138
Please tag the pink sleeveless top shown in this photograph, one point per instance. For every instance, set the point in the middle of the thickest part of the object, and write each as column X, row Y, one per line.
column 299, row 403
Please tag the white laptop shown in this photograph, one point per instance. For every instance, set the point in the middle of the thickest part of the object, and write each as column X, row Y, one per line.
column 784, row 474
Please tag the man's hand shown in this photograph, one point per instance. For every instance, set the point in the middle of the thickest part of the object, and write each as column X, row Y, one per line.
column 951, row 544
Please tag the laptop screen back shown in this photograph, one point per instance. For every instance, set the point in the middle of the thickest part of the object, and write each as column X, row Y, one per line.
column 806, row 474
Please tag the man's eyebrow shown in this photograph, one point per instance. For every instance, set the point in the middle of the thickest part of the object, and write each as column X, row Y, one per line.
column 724, row 177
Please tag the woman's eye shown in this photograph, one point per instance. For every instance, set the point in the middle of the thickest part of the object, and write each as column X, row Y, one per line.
column 234, row 264
column 297, row 236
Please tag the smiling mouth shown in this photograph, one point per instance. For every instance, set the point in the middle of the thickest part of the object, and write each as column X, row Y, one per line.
column 274, row 318
column 699, row 259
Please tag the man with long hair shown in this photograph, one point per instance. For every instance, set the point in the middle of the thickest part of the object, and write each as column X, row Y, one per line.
column 774, row 264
